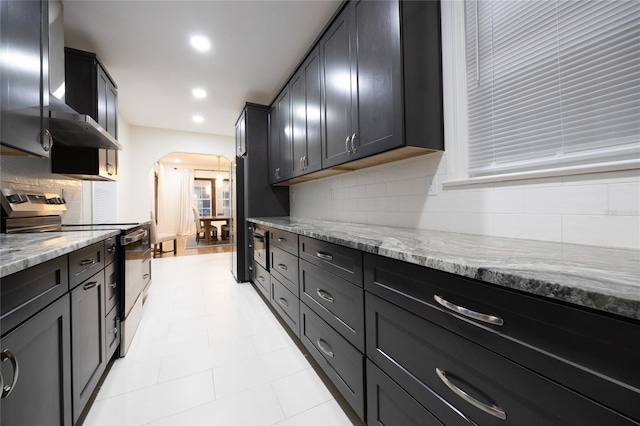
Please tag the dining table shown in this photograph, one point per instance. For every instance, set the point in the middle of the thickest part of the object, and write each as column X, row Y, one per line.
column 207, row 222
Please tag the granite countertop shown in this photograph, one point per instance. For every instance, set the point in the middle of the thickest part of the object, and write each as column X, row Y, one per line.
column 21, row 251
column 606, row 279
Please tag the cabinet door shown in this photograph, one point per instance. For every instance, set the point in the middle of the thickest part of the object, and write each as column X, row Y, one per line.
column 112, row 110
column 88, row 339
column 305, row 116
column 376, row 46
column 42, row 348
column 102, row 90
column 335, row 68
column 241, row 136
column 285, row 152
column 274, row 145
column 21, row 90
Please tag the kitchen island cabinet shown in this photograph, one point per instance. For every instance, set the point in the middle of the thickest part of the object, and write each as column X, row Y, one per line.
column 466, row 329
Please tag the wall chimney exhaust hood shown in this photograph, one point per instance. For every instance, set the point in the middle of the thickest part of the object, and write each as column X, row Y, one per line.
column 68, row 127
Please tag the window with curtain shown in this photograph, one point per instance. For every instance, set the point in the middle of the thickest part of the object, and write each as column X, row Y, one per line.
column 552, row 83
column 203, row 189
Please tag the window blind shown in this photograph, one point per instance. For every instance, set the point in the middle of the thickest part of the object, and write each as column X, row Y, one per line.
column 551, row 83
column 105, row 206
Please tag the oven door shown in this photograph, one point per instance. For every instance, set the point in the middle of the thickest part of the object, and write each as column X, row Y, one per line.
column 260, row 252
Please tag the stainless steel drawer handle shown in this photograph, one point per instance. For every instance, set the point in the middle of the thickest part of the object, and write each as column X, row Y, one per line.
column 113, row 285
column 323, row 294
column 7, row 355
column 283, row 302
column 346, row 146
column 324, row 256
column 353, row 143
column 491, row 409
column 489, row 319
column 283, row 267
column 90, row 285
column 145, row 276
column 111, row 249
column 321, row 345
column 282, row 240
column 113, row 330
column 86, row 262
column 261, row 278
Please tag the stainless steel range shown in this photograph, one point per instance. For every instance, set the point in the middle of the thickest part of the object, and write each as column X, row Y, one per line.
column 32, row 211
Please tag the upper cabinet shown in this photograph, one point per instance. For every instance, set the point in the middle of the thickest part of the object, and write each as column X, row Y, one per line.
column 241, row 136
column 380, row 73
column 90, row 90
column 280, row 144
column 24, row 82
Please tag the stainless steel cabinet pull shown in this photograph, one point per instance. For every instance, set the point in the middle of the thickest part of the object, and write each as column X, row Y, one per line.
column 301, row 163
column 490, row 319
column 145, row 276
column 282, row 240
column 7, row 355
column 491, row 409
column 113, row 330
column 283, row 302
column 321, row 345
column 113, row 285
column 277, row 173
column 111, row 249
column 324, row 256
column 283, row 267
column 90, row 285
column 325, row 295
column 353, row 143
column 49, row 144
column 305, row 162
column 87, row 262
column 261, row 278
column 346, row 146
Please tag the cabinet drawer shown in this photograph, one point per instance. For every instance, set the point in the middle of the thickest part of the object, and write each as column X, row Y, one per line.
column 112, row 332
column 342, row 362
column 111, row 249
column 287, row 241
column 341, row 261
column 338, row 302
column 26, row 292
column 532, row 328
column 442, row 362
column 111, row 286
column 389, row 404
column 262, row 280
column 286, row 304
column 85, row 262
column 284, row 266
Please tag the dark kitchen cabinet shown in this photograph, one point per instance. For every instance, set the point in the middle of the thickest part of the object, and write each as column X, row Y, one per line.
column 305, row 117
column 241, row 136
column 24, row 81
column 41, row 393
column 381, row 81
column 89, row 90
column 88, row 339
column 280, row 143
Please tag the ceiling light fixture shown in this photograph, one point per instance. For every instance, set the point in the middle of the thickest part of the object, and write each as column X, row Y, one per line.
column 199, row 93
column 200, row 43
column 198, row 118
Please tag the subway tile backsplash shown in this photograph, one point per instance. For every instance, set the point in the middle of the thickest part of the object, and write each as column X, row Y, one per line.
column 32, row 174
column 599, row 209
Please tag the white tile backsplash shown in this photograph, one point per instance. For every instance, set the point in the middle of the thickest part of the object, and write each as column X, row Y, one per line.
column 596, row 209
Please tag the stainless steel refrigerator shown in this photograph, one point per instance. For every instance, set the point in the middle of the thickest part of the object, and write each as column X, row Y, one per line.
column 251, row 193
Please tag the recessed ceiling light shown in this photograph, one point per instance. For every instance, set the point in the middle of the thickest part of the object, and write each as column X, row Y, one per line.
column 198, row 118
column 200, row 43
column 176, row 160
column 199, row 93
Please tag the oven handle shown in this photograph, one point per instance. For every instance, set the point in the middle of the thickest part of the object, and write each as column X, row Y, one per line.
column 132, row 238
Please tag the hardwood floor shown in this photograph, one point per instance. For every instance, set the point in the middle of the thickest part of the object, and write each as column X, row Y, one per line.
column 181, row 251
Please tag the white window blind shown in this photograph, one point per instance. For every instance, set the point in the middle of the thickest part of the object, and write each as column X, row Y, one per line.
column 552, row 83
column 105, row 206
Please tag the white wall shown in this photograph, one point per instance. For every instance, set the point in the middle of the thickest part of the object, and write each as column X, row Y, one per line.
column 144, row 148
column 600, row 209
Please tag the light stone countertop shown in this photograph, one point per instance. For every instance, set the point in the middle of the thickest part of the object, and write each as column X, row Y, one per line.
column 21, row 251
column 606, row 279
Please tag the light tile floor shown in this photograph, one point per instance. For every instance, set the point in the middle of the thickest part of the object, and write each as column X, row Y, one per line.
column 210, row 352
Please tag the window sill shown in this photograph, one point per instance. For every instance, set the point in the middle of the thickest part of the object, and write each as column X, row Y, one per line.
column 611, row 166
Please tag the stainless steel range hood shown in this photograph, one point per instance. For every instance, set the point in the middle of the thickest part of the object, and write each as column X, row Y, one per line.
column 71, row 128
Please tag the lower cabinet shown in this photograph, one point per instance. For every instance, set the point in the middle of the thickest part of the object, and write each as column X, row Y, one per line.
column 340, row 360
column 389, row 404
column 41, row 393
column 286, row 304
column 87, row 339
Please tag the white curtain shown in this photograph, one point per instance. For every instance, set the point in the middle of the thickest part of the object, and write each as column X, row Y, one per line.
column 175, row 200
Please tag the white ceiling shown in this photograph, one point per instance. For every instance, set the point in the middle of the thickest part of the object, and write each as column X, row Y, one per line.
column 195, row 161
column 144, row 44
